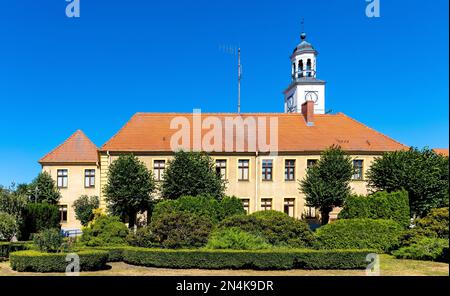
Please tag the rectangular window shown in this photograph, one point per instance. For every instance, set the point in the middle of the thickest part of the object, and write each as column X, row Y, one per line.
column 310, row 163
column 267, row 169
column 310, row 212
column 289, row 170
column 62, row 178
column 266, row 204
column 221, row 168
column 89, row 178
column 243, row 169
column 358, row 169
column 158, row 169
column 246, row 204
column 289, row 206
column 63, row 213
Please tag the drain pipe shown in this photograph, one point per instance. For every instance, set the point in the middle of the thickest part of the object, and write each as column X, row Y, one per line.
column 256, row 180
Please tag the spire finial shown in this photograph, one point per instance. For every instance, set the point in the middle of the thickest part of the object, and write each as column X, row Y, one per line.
column 303, row 34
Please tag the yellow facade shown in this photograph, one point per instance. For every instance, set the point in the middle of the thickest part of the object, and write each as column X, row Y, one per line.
column 255, row 189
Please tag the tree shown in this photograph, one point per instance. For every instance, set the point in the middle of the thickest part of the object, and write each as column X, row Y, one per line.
column 192, row 173
column 327, row 184
column 43, row 189
column 84, row 208
column 129, row 188
column 423, row 173
column 12, row 203
column 8, row 226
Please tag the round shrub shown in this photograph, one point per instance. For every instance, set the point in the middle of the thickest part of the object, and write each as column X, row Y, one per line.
column 427, row 248
column 141, row 238
column 105, row 230
column 275, row 227
column 49, row 240
column 381, row 235
column 437, row 221
column 8, row 227
column 34, row 261
column 236, row 239
column 230, row 206
column 180, row 230
column 84, row 207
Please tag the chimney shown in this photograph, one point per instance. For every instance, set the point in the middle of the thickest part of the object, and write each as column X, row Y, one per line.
column 308, row 112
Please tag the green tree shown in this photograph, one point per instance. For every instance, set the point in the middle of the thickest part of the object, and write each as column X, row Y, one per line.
column 327, row 184
column 12, row 203
column 192, row 173
column 423, row 173
column 129, row 188
column 43, row 189
column 84, row 207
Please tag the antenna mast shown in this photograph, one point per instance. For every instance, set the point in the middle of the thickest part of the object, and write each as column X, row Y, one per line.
column 239, row 80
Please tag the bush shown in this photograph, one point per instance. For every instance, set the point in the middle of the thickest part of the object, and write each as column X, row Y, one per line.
column 8, row 226
column 104, row 230
column 180, row 230
column 230, row 206
column 84, row 207
column 115, row 253
column 38, row 217
column 256, row 259
column 380, row 205
column 236, row 239
column 437, row 222
column 141, row 238
column 434, row 225
column 34, row 261
column 49, row 240
column 8, row 247
column 381, row 235
column 427, row 248
column 203, row 205
column 275, row 227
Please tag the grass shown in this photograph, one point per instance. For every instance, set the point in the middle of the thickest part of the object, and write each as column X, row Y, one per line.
column 389, row 266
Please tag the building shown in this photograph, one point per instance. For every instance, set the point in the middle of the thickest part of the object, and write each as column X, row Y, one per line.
column 262, row 178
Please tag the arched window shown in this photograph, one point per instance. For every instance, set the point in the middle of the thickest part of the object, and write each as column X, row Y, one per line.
column 300, row 68
column 294, row 70
column 308, row 68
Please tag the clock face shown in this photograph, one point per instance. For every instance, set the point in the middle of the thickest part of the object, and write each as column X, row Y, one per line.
column 311, row 96
column 290, row 104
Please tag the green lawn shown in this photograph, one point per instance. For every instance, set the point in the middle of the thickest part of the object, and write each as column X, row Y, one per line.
column 389, row 266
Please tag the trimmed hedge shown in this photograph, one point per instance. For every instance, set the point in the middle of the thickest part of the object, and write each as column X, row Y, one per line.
column 381, row 235
column 257, row 259
column 34, row 261
column 115, row 253
column 8, row 247
column 380, row 205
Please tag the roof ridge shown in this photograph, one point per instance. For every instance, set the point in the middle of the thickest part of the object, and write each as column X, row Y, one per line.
column 57, row 147
column 372, row 129
column 77, row 132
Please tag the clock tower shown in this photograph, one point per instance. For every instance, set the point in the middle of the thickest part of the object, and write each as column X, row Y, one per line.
column 304, row 85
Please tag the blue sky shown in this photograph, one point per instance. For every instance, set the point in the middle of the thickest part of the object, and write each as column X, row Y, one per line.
column 93, row 73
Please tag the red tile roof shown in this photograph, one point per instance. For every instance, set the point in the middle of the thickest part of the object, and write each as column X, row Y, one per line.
column 151, row 132
column 442, row 151
column 76, row 149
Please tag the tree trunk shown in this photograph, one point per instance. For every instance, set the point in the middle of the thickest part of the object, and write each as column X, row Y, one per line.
column 131, row 219
column 325, row 213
